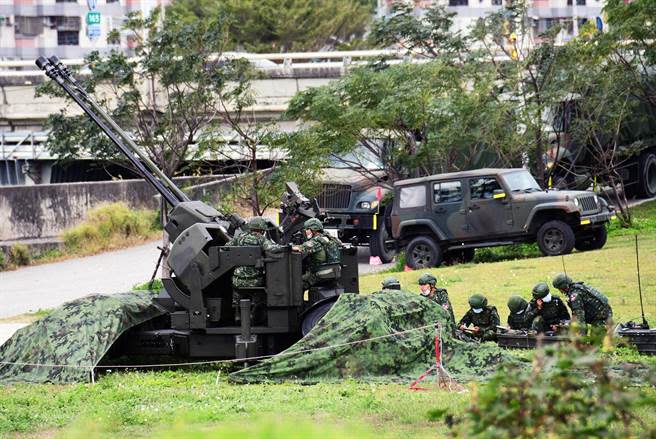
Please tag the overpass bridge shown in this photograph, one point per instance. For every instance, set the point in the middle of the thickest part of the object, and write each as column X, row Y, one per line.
column 24, row 159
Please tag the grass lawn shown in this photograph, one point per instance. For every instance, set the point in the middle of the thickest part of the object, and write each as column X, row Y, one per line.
column 194, row 403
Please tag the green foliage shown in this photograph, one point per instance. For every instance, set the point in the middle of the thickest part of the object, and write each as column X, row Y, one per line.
column 507, row 252
column 156, row 285
column 109, row 224
column 567, row 393
column 3, row 261
column 283, row 26
column 19, row 254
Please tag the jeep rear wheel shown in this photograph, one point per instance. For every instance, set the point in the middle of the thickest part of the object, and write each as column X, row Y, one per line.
column 593, row 242
column 423, row 252
column 555, row 238
column 380, row 245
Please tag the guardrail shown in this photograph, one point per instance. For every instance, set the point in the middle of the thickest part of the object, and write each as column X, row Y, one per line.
column 285, row 62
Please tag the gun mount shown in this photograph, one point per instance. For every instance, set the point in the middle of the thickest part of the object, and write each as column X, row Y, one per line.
column 201, row 319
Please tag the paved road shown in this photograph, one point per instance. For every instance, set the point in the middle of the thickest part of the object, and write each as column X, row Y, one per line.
column 49, row 285
column 45, row 286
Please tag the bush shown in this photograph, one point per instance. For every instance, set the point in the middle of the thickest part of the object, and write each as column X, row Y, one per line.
column 568, row 392
column 108, row 223
column 507, row 252
column 3, row 261
column 19, row 254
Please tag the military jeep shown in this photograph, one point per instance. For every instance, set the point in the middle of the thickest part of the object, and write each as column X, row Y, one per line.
column 447, row 216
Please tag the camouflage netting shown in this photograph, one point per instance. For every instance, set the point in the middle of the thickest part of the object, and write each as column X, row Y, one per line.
column 78, row 333
column 398, row 358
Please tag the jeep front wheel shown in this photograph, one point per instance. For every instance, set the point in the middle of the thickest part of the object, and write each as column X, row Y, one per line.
column 555, row 238
column 423, row 252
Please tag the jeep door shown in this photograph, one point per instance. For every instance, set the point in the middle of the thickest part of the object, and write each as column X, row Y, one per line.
column 489, row 210
column 448, row 210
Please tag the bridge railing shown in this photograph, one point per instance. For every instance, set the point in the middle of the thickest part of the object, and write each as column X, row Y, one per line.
column 278, row 62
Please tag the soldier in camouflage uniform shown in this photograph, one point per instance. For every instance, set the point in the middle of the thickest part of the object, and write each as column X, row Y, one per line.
column 323, row 250
column 390, row 283
column 247, row 276
column 545, row 311
column 482, row 317
column 439, row 295
column 518, row 308
column 588, row 305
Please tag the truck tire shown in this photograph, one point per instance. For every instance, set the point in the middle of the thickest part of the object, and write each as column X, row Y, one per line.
column 378, row 246
column 647, row 175
column 423, row 252
column 555, row 238
column 594, row 242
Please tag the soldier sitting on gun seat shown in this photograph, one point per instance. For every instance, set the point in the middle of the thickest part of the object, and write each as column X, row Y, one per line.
column 324, row 253
column 246, row 277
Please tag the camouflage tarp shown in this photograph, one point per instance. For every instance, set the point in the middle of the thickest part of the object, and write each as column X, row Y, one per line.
column 78, row 333
column 401, row 357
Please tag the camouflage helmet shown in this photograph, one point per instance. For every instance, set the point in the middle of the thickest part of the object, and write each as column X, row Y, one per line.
column 477, row 301
column 427, row 279
column 562, row 281
column 257, row 223
column 313, row 224
column 516, row 304
column 391, row 283
column 540, row 290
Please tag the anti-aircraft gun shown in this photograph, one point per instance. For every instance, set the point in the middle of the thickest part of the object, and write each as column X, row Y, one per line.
column 201, row 319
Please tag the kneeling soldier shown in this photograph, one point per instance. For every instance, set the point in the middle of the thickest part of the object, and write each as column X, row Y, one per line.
column 518, row 311
column 438, row 295
column 482, row 317
column 545, row 311
column 588, row 305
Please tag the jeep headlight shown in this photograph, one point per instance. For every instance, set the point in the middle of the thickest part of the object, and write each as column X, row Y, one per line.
column 596, row 200
column 368, row 204
column 576, row 202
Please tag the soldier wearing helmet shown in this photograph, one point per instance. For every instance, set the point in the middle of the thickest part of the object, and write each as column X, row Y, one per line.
column 484, row 319
column 518, row 308
column 247, row 276
column 546, row 312
column 439, row 295
column 588, row 305
column 390, row 284
column 323, row 251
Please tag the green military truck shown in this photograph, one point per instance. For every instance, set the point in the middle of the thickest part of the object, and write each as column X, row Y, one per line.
column 450, row 215
column 355, row 203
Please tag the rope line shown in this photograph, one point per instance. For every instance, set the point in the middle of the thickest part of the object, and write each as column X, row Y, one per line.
column 229, row 361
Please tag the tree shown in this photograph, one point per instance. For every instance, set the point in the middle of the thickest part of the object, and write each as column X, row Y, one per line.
column 283, row 25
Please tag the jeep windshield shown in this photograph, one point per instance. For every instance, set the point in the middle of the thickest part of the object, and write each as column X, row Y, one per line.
column 521, row 181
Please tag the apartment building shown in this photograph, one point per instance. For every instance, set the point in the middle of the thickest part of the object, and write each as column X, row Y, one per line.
column 543, row 13
column 67, row 28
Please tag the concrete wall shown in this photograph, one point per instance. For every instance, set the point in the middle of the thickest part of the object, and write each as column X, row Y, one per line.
column 41, row 211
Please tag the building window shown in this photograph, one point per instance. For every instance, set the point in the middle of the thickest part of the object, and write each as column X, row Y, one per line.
column 497, row 2
column 458, row 2
column 68, row 38
column 65, row 1
column 578, row 2
column 29, row 26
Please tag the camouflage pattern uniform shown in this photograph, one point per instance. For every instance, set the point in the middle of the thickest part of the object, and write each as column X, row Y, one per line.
column 249, row 276
column 487, row 319
column 518, row 308
column 437, row 295
column 322, row 249
column 588, row 305
column 553, row 312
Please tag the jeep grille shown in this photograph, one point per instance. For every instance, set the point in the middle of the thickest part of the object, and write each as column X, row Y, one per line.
column 335, row 196
column 588, row 204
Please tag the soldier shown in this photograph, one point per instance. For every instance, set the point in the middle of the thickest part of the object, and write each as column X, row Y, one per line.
column 588, row 305
column 439, row 295
column 482, row 317
column 324, row 251
column 545, row 311
column 247, row 276
column 518, row 311
column 390, row 284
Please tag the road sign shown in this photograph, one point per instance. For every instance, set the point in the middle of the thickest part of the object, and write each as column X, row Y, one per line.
column 93, row 17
